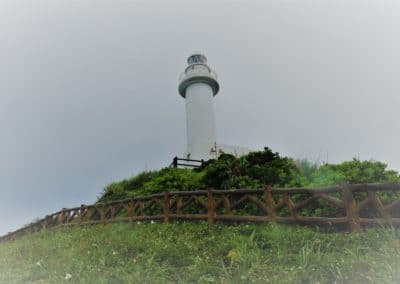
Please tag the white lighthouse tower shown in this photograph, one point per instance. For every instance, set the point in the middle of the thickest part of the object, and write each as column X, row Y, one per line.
column 198, row 85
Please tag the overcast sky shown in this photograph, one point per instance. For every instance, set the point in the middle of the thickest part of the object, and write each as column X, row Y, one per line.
column 88, row 89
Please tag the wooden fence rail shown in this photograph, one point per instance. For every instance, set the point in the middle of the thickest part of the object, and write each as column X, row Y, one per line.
column 347, row 205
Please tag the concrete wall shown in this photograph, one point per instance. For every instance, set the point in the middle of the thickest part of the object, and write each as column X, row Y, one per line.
column 200, row 121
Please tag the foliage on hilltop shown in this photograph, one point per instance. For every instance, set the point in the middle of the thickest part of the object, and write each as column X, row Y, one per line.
column 255, row 170
column 354, row 171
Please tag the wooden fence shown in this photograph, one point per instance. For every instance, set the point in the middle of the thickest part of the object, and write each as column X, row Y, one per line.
column 187, row 163
column 352, row 206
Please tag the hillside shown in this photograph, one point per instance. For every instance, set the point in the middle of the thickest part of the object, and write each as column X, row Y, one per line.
column 187, row 252
column 153, row 252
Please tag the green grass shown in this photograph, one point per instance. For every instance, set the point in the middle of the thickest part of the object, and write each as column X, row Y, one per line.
column 196, row 252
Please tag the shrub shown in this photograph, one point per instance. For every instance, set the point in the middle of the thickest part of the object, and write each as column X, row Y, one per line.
column 126, row 187
column 153, row 182
column 172, row 180
column 354, row 171
column 254, row 170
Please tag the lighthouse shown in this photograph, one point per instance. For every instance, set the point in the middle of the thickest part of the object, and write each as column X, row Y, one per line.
column 198, row 85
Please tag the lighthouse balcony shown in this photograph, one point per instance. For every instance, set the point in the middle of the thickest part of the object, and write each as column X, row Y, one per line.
column 197, row 70
column 198, row 73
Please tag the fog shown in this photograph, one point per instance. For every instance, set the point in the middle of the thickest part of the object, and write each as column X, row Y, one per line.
column 88, row 89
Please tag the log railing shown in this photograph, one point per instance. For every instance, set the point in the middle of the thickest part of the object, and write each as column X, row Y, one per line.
column 352, row 206
column 186, row 163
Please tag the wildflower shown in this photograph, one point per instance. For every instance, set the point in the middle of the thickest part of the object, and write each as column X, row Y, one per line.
column 152, row 222
column 138, row 222
column 67, row 276
column 114, row 253
column 38, row 263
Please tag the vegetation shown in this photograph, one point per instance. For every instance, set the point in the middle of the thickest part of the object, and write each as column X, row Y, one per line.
column 196, row 252
column 254, row 170
column 354, row 171
column 153, row 182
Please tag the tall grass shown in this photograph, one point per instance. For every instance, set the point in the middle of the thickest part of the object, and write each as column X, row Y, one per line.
column 196, row 252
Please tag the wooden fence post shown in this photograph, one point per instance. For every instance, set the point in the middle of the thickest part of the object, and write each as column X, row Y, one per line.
column 227, row 204
column 101, row 209
column 291, row 206
column 131, row 210
column 44, row 222
column 377, row 203
column 270, row 203
column 66, row 216
column 166, row 207
column 141, row 206
column 351, row 207
column 82, row 213
column 62, row 215
column 211, row 207
column 90, row 212
column 179, row 205
column 113, row 211
column 48, row 221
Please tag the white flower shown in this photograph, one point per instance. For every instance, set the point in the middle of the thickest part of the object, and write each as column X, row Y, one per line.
column 38, row 263
column 152, row 222
column 114, row 253
column 67, row 276
column 138, row 222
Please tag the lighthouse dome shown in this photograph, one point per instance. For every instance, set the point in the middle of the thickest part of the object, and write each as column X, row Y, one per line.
column 197, row 58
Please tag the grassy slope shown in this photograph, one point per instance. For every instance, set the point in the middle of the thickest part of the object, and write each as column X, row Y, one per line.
column 194, row 251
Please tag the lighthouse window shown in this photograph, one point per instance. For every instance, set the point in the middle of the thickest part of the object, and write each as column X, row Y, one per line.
column 194, row 59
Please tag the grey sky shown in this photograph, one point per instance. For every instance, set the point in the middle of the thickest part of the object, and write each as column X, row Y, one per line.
column 88, row 89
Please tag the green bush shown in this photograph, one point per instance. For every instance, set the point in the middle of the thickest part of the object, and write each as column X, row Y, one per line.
column 354, row 171
column 255, row 170
column 252, row 171
column 154, row 182
column 126, row 187
column 172, row 180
